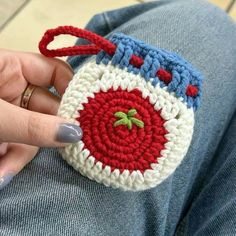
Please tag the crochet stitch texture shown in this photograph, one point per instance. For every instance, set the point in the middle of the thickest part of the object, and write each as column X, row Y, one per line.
column 137, row 118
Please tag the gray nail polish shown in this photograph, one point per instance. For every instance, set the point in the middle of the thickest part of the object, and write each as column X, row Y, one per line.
column 5, row 180
column 69, row 133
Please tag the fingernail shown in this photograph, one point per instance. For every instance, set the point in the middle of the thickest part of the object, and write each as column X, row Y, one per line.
column 69, row 133
column 5, row 180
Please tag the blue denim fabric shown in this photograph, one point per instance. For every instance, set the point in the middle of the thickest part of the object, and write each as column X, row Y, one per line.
column 50, row 198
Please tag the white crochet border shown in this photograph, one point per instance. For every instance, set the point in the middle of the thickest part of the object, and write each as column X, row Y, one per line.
column 91, row 79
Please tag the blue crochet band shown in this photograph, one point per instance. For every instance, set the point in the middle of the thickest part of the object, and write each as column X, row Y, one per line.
column 183, row 73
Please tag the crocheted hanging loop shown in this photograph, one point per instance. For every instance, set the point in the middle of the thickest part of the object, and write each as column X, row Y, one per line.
column 135, row 104
column 99, row 43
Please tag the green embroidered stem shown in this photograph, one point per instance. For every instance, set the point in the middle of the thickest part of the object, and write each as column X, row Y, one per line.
column 137, row 122
column 128, row 119
column 132, row 112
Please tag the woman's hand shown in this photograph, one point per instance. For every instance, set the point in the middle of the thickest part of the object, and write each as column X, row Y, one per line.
column 23, row 131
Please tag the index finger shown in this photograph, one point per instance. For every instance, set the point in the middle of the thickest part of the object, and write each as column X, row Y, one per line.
column 43, row 71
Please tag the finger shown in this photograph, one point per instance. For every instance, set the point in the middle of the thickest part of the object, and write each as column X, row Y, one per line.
column 17, row 156
column 19, row 125
column 44, row 101
column 41, row 100
column 42, row 71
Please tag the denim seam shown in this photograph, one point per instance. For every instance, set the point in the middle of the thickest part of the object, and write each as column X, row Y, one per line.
column 106, row 19
column 180, row 231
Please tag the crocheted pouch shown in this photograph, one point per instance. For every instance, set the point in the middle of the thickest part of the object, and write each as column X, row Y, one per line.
column 135, row 104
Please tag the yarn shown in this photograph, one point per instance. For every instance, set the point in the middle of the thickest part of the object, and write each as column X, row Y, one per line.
column 128, row 119
column 169, row 69
column 135, row 104
column 121, row 147
column 178, row 121
column 101, row 43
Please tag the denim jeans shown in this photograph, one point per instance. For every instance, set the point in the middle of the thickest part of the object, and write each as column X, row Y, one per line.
column 50, row 198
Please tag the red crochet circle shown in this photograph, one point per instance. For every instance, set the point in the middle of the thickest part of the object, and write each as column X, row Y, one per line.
column 119, row 147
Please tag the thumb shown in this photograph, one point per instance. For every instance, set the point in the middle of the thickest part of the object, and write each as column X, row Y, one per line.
column 18, row 125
